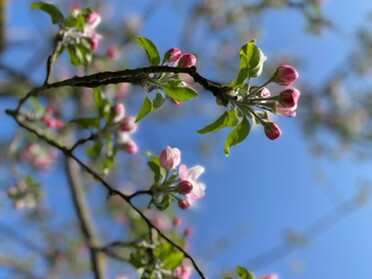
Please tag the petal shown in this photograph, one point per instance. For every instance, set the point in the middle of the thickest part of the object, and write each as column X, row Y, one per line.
column 195, row 172
column 197, row 191
column 183, row 172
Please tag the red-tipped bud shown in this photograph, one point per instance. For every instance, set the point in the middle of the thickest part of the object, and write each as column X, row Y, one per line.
column 185, row 187
column 94, row 41
column 170, row 158
column 183, row 203
column 128, row 124
column 130, row 147
column 119, row 112
column 113, row 52
column 187, row 60
column 265, row 93
column 172, row 55
column 188, row 232
column 270, row 276
column 272, row 130
column 285, row 75
column 289, row 97
column 93, row 19
column 177, row 221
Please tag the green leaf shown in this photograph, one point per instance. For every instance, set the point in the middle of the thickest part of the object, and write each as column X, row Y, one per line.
column 163, row 204
column 109, row 160
column 237, row 135
column 76, row 55
column 163, row 250
column 251, row 63
column 53, row 11
column 86, row 123
column 178, row 92
column 173, row 260
column 158, row 101
column 137, row 260
column 146, row 109
column 95, row 150
column 151, row 50
column 158, row 171
column 216, row 125
column 244, row 273
column 227, row 119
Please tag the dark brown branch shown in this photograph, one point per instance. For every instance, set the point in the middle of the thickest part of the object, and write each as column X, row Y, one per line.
column 85, row 220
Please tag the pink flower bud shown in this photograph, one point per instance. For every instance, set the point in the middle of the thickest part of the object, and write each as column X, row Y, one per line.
column 177, row 221
column 172, row 55
column 170, row 158
column 58, row 123
column 279, row 109
column 93, row 19
column 265, row 93
column 128, row 124
column 94, row 42
column 187, row 60
column 272, row 130
column 113, row 52
column 185, row 187
column 270, row 276
column 130, row 147
column 183, row 203
column 285, row 75
column 119, row 112
column 51, row 109
column 289, row 97
column 188, row 232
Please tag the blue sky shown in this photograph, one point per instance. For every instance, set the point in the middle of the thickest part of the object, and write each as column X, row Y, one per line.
column 263, row 189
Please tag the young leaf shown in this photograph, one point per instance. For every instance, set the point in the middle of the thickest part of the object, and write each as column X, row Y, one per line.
column 237, row 135
column 243, row 273
column 173, row 260
column 151, row 50
column 146, row 109
column 86, row 123
column 216, row 125
column 53, row 11
column 158, row 101
column 251, row 63
column 176, row 91
column 95, row 150
column 227, row 119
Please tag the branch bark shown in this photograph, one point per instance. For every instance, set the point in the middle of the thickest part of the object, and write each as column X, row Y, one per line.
column 97, row 257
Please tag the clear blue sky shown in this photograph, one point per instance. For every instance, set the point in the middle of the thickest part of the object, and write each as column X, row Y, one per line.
column 263, row 189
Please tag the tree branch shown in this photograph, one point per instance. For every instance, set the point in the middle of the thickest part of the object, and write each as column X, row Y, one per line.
column 82, row 210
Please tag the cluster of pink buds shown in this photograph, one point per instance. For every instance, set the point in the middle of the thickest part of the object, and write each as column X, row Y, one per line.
column 127, row 126
column 184, row 271
column 37, row 157
column 175, row 56
column 284, row 103
column 50, row 120
column 187, row 183
column 24, row 195
column 91, row 22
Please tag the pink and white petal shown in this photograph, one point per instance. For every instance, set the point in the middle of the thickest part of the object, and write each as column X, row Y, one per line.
column 183, row 172
column 198, row 191
column 195, row 172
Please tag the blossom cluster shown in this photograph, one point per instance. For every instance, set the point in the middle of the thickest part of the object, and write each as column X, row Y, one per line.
column 25, row 194
column 284, row 103
column 38, row 157
column 127, row 126
column 50, row 120
column 178, row 59
column 88, row 32
column 183, row 182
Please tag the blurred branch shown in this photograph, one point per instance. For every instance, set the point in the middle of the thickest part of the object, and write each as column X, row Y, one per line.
column 17, row 266
column 85, row 220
